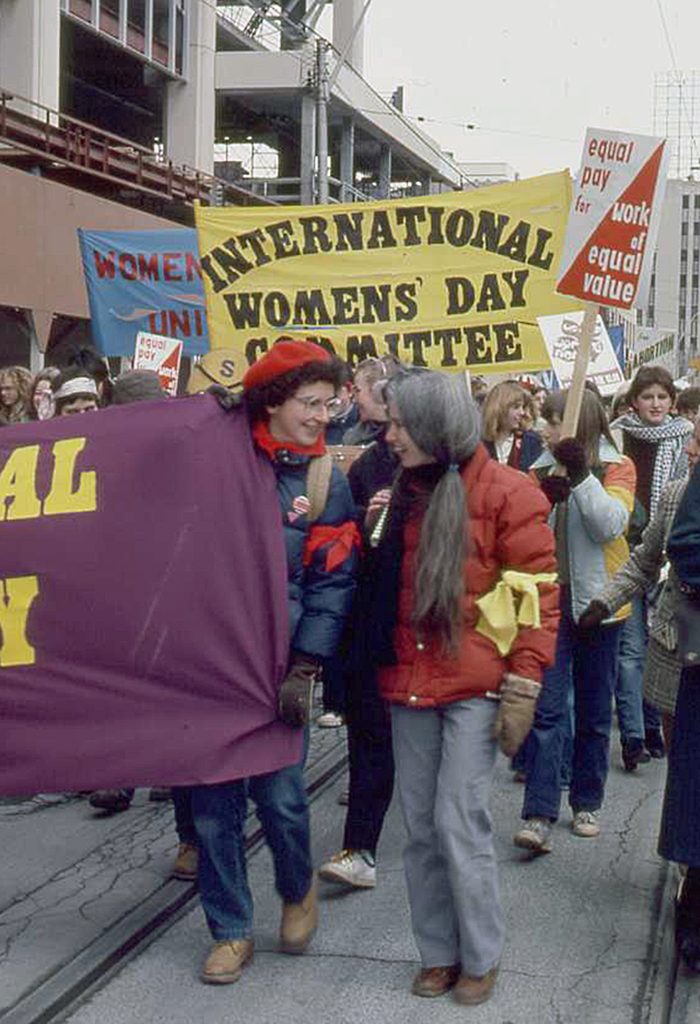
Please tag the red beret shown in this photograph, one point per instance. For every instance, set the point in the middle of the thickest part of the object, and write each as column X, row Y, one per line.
column 283, row 357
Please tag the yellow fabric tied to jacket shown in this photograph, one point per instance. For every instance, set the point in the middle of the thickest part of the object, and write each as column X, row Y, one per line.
column 501, row 617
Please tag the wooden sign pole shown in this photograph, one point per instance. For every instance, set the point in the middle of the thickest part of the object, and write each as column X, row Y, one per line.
column 578, row 381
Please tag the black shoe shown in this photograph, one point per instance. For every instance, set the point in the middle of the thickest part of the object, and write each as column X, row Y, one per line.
column 633, row 753
column 112, row 800
column 688, row 921
column 654, row 742
column 689, row 951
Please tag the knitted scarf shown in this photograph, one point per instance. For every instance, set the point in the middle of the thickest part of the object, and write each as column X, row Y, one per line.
column 270, row 445
column 671, row 461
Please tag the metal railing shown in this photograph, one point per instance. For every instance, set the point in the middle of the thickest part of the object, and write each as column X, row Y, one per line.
column 57, row 139
column 288, row 190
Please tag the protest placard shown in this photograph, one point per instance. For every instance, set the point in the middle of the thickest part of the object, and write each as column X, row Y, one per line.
column 160, row 354
column 452, row 281
column 614, row 219
column 655, row 345
column 610, row 236
column 144, row 281
column 562, row 334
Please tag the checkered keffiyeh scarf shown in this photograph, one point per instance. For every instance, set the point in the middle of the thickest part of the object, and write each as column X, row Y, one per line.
column 671, row 462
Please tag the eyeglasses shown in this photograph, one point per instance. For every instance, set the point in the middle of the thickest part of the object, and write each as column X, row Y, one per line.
column 315, row 405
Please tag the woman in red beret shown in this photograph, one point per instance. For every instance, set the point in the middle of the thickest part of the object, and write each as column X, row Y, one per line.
column 289, row 395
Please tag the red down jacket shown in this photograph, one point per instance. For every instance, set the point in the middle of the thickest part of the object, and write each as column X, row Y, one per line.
column 507, row 530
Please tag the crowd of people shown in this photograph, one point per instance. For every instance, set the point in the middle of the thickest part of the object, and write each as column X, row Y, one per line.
column 475, row 580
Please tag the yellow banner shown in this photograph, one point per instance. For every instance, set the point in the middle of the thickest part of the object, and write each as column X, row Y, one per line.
column 452, row 281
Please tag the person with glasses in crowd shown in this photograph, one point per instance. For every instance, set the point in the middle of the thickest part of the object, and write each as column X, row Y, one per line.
column 289, row 396
column 372, row 416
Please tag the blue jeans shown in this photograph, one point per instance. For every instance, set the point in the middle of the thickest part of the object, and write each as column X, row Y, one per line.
column 219, row 815
column 634, row 714
column 588, row 665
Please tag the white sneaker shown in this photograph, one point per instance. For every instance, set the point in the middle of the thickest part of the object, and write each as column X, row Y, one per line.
column 330, row 720
column 534, row 835
column 351, row 867
column 585, row 824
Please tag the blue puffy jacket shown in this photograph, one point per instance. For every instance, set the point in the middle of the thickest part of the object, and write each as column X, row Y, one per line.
column 319, row 598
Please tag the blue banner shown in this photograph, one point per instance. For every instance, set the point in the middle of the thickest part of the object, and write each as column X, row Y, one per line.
column 144, row 281
column 617, row 337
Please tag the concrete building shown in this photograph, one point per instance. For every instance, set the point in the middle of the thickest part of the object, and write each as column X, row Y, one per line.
column 147, row 103
column 478, row 174
column 673, row 297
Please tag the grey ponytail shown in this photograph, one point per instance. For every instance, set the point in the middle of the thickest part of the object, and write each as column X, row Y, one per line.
column 441, row 418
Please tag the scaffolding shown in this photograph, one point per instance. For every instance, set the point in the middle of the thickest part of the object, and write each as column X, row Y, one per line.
column 677, row 117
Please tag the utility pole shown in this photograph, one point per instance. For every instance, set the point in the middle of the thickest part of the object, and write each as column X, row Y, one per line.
column 324, row 82
column 322, row 94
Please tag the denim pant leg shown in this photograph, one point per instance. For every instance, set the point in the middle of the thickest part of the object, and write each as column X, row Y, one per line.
column 628, row 687
column 219, row 814
column 595, row 661
column 283, row 810
column 544, row 747
column 184, row 822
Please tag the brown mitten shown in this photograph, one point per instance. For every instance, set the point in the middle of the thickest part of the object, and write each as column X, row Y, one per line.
column 297, row 690
column 516, row 712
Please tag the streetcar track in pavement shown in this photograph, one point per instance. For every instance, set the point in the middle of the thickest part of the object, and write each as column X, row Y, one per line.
column 58, row 994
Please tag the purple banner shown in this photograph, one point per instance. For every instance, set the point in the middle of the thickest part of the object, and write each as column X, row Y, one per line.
column 143, row 609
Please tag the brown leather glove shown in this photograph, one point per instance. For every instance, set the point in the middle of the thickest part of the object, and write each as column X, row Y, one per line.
column 297, row 690
column 516, row 712
column 592, row 616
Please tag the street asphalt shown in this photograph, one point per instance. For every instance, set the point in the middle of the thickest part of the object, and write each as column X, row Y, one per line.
column 588, row 937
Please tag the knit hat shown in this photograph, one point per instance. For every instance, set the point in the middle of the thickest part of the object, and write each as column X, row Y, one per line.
column 137, row 386
column 281, row 358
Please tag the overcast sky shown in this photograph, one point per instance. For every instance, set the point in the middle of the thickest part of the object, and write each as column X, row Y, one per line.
column 531, row 74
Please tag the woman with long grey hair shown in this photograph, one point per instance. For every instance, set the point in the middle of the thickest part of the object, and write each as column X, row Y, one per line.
column 462, row 534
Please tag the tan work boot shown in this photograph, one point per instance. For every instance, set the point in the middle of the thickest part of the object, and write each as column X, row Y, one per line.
column 471, row 991
column 186, row 863
column 299, row 922
column 226, row 961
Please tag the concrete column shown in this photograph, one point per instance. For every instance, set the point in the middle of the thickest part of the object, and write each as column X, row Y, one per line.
column 30, row 35
column 384, row 172
column 307, row 149
column 190, row 105
column 295, row 12
column 39, row 322
column 346, row 15
column 347, row 159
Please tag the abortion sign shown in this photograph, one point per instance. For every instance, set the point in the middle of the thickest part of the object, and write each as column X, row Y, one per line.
column 614, row 219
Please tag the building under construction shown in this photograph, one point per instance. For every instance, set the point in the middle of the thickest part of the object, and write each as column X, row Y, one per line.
column 122, row 113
